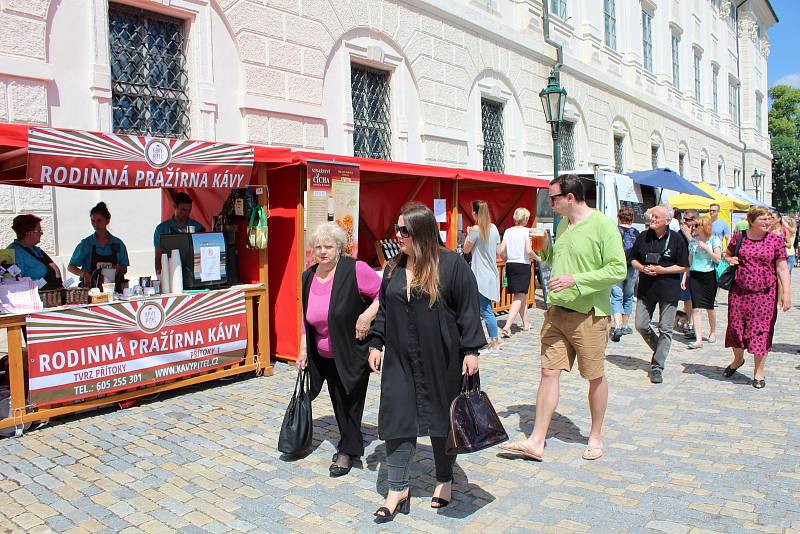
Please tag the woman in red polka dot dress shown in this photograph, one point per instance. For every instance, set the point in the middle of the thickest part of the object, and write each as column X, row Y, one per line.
column 753, row 297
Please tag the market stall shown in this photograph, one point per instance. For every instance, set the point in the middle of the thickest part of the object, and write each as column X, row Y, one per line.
column 727, row 204
column 77, row 354
column 384, row 187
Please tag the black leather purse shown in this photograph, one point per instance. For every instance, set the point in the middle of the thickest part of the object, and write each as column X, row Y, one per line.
column 474, row 424
column 297, row 428
column 725, row 280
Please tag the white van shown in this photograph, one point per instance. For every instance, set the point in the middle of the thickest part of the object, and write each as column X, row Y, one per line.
column 607, row 192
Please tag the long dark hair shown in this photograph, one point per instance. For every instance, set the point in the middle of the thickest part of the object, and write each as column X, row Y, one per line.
column 424, row 230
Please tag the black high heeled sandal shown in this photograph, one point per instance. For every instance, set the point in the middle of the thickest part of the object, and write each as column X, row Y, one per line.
column 384, row 515
column 438, row 502
column 729, row 371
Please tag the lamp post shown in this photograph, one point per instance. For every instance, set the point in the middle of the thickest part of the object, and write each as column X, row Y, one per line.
column 554, row 97
column 756, row 182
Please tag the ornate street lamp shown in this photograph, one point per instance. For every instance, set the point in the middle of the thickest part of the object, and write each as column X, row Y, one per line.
column 554, row 97
column 756, row 181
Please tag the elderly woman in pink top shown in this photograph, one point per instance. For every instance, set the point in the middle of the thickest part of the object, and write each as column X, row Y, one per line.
column 340, row 301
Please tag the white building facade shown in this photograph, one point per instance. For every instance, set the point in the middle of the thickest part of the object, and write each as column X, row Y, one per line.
column 672, row 83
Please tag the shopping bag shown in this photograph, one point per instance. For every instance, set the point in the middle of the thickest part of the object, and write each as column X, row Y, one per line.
column 474, row 424
column 726, row 278
column 297, row 428
column 257, row 229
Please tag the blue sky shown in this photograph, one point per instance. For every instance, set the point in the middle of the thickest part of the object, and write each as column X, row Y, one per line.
column 784, row 65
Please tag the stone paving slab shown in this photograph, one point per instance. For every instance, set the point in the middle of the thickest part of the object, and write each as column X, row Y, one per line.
column 695, row 454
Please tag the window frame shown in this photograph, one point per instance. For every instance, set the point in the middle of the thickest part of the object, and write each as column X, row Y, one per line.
column 715, row 88
column 559, row 8
column 619, row 153
column 647, row 40
column 733, row 101
column 492, row 148
column 142, row 86
column 697, row 72
column 610, row 24
column 384, row 130
column 676, row 60
column 759, row 112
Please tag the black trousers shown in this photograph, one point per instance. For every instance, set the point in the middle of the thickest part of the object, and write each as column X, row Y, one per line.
column 348, row 409
column 400, row 452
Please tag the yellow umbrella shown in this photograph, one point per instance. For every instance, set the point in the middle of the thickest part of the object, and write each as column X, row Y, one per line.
column 693, row 202
column 688, row 202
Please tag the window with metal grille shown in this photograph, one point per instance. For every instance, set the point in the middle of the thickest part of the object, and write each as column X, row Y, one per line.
column 676, row 61
column 720, row 173
column 647, row 40
column 372, row 115
column 703, row 165
column 148, row 73
column 715, row 89
column 619, row 163
column 566, row 143
column 697, row 76
column 609, row 16
column 559, row 8
column 493, row 144
column 682, row 164
column 654, row 156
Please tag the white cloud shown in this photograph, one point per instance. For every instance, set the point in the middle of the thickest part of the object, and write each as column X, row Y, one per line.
column 790, row 79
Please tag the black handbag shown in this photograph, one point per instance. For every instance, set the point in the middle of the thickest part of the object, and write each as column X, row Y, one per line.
column 297, row 428
column 725, row 280
column 474, row 424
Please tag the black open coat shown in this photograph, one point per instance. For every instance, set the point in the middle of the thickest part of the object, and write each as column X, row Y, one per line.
column 346, row 305
column 424, row 348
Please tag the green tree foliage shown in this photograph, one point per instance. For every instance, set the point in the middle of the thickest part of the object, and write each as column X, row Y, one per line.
column 784, row 129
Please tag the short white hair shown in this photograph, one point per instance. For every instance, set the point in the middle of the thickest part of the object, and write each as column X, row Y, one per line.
column 670, row 210
column 329, row 230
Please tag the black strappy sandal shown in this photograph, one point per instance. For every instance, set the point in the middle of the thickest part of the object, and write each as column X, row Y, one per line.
column 384, row 515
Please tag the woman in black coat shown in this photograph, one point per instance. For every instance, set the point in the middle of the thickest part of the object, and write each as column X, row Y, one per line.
column 429, row 326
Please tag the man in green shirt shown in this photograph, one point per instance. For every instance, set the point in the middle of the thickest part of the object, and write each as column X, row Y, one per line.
column 586, row 261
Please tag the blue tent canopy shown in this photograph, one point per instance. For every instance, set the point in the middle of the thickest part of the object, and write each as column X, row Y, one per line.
column 667, row 179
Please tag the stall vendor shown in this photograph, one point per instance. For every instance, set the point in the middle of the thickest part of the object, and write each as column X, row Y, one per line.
column 31, row 260
column 177, row 224
column 98, row 251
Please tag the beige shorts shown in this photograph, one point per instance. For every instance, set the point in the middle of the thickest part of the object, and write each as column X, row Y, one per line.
column 567, row 334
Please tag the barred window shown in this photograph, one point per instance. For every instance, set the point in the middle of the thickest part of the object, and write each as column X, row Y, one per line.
column 619, row 162
column 676, row 62
column 682, row 164
column 148, row 73
column 647, row 40
column 559, row 8
column 493, row 144
column 703, row 165
column 609, row 16
column 566, row 143
column 372, row 115
column 654, row 156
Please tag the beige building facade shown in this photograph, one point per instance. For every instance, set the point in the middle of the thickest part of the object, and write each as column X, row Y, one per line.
column 666, row 82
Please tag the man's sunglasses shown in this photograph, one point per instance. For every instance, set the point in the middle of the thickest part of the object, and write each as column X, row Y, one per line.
column 402, row 230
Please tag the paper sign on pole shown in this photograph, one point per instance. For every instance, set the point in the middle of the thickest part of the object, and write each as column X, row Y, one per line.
column 440, row 209
column 333, row 196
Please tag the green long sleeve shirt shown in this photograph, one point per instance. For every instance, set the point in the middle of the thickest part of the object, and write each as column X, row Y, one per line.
column 592, row 253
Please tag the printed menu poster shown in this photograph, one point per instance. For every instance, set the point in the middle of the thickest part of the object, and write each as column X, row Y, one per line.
column 333, row 196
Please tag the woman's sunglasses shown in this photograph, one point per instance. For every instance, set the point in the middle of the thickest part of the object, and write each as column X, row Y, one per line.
column 402, row 230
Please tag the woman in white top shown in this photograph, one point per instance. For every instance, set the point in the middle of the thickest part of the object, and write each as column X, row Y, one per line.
column 516, row 247
column 483, row 241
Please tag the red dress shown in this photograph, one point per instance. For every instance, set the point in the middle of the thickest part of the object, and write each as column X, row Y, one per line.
column 752, row 301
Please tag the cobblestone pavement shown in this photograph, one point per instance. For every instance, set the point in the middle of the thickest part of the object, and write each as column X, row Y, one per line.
column 695, row 454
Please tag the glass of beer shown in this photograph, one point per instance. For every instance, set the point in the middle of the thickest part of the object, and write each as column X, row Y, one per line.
column 538, row 236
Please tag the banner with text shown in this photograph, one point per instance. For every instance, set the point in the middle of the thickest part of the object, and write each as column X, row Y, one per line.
column 332, row 195
column 75, row 158
column 84, row 352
